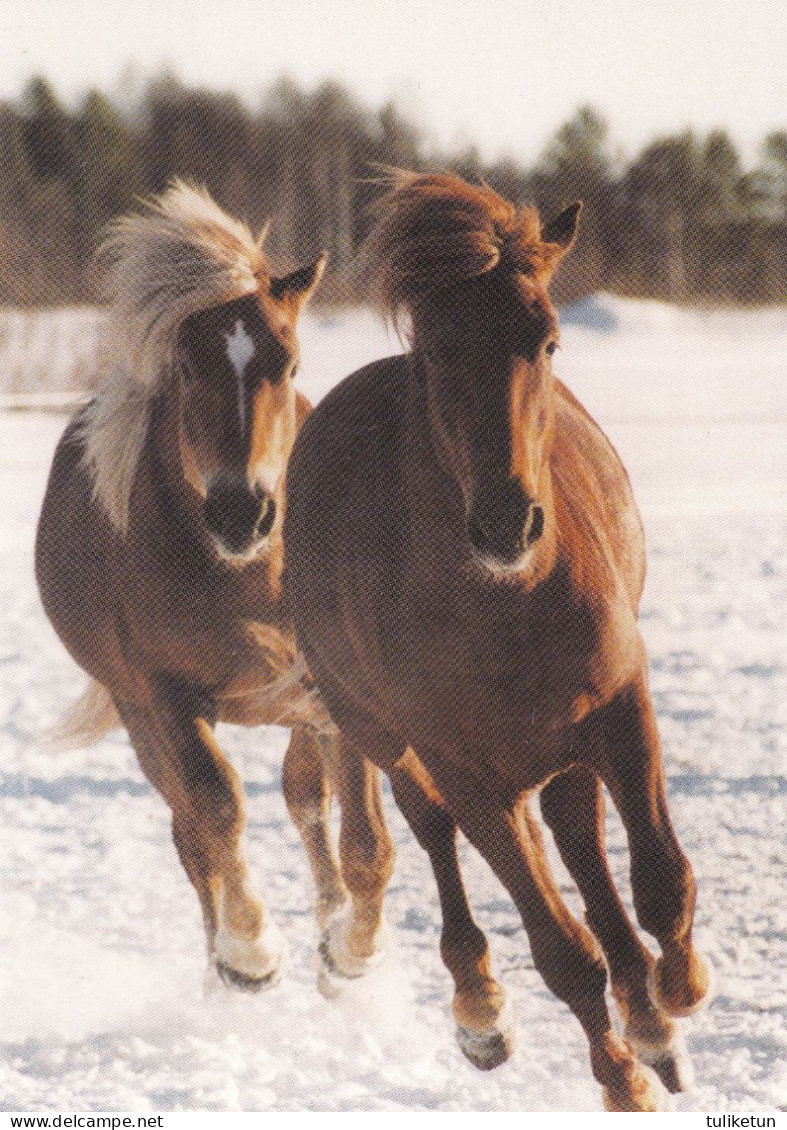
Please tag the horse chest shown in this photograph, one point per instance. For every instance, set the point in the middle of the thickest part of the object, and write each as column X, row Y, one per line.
column 194, row 621
column 503, row 673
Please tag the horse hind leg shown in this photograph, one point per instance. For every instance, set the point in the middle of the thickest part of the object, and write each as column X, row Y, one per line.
column 353, row 941
column 307, row 794
column 573, row 806
column 485, row 1030
column 661, row 877
column 179, row 755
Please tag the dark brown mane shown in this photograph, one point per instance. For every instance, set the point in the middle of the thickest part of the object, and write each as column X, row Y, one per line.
column 437, row 231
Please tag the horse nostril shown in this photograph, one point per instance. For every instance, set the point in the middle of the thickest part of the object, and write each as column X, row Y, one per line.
column 266, row 519
column 507, row 527
column 534, row 526
column 237, row 514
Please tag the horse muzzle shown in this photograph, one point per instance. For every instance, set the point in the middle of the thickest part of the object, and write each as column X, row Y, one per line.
column 504, row 527
column 238, row 516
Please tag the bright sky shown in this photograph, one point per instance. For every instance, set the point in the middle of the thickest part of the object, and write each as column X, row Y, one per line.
column 502, row 73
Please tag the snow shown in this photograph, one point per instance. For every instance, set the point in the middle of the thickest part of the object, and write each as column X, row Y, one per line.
column 104, row 1003
column 49, row 350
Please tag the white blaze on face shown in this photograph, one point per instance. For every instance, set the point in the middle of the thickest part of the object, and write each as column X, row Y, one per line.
column 240, row 350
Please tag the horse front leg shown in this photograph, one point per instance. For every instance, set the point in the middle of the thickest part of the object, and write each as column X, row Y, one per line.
column 178, row 753
column 485, row 1031
column 353, row 941
column 567, row 955
column 661, row 877
column 572, row 804
column 307, row 792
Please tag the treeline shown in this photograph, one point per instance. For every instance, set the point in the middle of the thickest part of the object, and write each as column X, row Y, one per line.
column 682, row 221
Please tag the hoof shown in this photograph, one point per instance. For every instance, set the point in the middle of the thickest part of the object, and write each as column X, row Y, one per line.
column 235, row 980
column 490, row 1047
column 328, row 985
column 250, row 965
column 336, row 956
column 694, row 993
column 675, row 1072
column 671, row 1063
column 330, row 966
column 646, row 1095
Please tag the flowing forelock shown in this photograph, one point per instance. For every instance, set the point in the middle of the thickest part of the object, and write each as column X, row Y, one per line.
column 436, row 231
column 182, row 254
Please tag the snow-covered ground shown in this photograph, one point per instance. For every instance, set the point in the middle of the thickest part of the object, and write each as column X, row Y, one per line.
column 101, row 951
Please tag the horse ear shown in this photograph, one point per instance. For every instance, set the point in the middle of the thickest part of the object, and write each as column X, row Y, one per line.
column 297, row 288
column 563, row 229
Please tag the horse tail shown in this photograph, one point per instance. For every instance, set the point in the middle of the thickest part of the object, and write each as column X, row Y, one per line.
column 290, row 695
column 86, row 721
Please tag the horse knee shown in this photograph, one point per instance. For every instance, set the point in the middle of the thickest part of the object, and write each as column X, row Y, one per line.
column 664, row 900
column 226, row 814
column 463, row 944
column 573, row 972
column 215, row 816
column 367, row 861
column 304, row 783
column 434, row 828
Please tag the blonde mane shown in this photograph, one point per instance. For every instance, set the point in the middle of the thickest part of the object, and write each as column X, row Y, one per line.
column 181, row 255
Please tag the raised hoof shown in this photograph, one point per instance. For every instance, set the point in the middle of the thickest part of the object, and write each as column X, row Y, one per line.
column 489, row 1048
column 235, row 980
column 692, row 994
column 646, row 1095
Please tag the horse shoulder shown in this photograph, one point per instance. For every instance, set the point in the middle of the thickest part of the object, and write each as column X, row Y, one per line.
column 349, row 446
column 76, row 561
column 602, row 544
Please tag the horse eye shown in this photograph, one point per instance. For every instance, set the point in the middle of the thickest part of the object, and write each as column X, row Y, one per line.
column 550, row 348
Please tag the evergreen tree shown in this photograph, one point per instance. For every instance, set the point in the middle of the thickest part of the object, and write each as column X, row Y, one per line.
column 682, row 221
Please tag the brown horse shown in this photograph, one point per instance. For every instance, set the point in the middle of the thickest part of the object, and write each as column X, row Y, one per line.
column 159, row 557
column 464, row 562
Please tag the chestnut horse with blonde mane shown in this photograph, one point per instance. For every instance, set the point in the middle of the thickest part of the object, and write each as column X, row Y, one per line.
column 159, row 556
column 464, row 563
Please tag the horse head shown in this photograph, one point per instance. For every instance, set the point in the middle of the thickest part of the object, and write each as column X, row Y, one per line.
column 473, row 273
column 238, row 420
